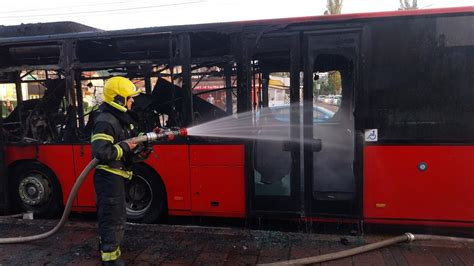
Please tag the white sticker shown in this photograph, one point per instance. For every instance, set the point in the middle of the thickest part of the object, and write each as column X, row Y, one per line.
column 371, row 135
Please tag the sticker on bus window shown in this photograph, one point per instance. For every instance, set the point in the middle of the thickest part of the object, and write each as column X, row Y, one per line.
column 371, row 135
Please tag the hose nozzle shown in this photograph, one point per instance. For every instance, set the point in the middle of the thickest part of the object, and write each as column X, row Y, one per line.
column 183, row 132
column 166, row 134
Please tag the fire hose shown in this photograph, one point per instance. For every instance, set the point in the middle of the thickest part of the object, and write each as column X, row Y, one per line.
column 407, row 237
column 148, row 137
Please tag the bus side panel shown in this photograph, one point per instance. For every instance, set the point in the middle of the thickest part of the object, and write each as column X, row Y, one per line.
column 171, row 162
column 15, row 153
column 419, row 183
column 86, row 194
column 59, row 158
column 218, row 180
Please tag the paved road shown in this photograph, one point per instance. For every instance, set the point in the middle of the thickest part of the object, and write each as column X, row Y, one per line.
column 332, row 108
column 191, row 245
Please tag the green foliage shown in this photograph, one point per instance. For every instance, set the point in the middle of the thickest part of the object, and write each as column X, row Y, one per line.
column 406, row 5
column 89, row 108
column 334, row 82
column 331, row 87
column 334, row 6
column 324, row 89
column 7, row 110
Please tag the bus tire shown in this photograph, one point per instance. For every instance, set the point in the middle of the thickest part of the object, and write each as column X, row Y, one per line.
column 145, row 196
column 35, row 188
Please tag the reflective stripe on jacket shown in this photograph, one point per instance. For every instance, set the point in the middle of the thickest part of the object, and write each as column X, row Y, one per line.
column 107, row 146
column 122, row 173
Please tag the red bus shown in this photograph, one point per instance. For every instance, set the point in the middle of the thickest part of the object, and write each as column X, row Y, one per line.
column 391, row 143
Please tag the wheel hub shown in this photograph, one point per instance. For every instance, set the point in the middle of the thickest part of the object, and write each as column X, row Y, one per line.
column 137, row 192
column 34, row 190
column 139, row 196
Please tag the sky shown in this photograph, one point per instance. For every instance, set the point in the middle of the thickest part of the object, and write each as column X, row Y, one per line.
column 123, row 14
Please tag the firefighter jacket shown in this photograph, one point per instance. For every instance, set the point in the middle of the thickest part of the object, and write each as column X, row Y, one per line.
column 111, row 127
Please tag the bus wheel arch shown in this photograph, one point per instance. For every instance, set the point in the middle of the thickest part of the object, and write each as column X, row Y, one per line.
column 145, row 195
column 35, row 187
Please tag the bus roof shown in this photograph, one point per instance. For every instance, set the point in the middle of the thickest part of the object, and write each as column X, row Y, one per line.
column 35, row 29
column 370, row 15
column 89, row 32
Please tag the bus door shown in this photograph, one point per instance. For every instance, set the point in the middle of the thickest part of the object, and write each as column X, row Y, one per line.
column 330, row 78
column 274, row 183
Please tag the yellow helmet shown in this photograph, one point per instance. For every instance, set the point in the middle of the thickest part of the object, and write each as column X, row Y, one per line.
column 117, row 90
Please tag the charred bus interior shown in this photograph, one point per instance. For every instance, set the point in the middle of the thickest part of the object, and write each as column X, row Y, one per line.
column 61, row 80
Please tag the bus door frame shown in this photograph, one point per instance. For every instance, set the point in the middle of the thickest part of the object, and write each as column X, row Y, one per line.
column 3, row 173
column 311, row 43
column 279, row 206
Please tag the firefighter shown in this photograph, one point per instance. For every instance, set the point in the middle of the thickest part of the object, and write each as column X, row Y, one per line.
column 112, row 126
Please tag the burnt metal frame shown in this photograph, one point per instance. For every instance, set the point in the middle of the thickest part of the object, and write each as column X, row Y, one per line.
column 68, row 56
column 179, row 54
column 73, row 70
column 228, row 92
column 185, row 56
column 4, row 192
column 19, row 96
column 244, row 81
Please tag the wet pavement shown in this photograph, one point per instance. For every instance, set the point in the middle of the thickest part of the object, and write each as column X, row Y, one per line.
column 195, row 245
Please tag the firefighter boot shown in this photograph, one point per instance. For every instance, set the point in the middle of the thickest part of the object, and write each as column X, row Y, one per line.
column 117, row 262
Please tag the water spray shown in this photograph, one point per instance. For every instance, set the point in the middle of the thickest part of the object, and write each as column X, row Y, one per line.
column 161, row 134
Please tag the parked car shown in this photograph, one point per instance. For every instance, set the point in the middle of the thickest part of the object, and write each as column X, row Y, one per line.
column 337, row 100
column 282, row 113
column 272, row 160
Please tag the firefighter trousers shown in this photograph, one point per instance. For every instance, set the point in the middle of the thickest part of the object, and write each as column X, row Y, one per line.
column 111, row 212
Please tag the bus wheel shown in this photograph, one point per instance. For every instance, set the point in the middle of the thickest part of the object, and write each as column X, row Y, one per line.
column 36, row 189
column 145, row 196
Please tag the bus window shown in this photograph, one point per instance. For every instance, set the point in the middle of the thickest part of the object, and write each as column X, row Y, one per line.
column 7, row 98
column 42, row 112
column 327, row 96
column 211, row 87
column 272, row 164
column 92, row 93
column 333, row 123
column 160, row 108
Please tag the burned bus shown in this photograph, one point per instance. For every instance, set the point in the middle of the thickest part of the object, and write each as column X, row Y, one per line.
column 392, row 144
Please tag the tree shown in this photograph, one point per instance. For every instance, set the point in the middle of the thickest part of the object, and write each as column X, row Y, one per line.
column 330, row 84
column 405, row 5
column 333, row 7
column 334, row 81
